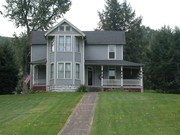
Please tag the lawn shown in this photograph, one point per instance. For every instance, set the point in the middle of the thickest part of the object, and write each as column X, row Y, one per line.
column 128, row 113
column 36, row 114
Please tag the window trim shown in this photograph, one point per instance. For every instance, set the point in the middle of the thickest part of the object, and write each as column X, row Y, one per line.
column 112, row 67
column 64, row 64
column 77, row 63
column 78, row 45
column 114, row 52
column 64, row 44
column 65, row 28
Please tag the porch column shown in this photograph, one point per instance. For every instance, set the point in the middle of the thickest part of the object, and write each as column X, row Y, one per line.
column 121, row 76
column 141, row 78
column 102, row 75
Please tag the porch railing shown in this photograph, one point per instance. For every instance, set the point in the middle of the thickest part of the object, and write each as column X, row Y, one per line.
column 40, row 82
column 117, row 82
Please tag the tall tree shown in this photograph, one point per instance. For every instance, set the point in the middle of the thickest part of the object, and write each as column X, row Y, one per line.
column 8, row 69
column 35, row 14
column 163, row 58
column 120, row 17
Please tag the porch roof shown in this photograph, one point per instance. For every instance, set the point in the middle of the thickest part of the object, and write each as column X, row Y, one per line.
column 112, row 63
column 42, row 61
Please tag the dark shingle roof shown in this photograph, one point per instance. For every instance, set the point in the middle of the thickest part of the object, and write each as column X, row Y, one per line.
column 92, row 37
column 105, row 37
column 112, row 62
column 38, row 38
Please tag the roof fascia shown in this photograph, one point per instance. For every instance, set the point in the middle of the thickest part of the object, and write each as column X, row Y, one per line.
column 64, row 21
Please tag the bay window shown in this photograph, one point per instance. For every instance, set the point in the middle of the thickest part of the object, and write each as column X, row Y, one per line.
column 64, row 70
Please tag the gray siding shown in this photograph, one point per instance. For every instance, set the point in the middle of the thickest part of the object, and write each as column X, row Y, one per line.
column 100, row 52
column 64, row 56
column 77, row 57
column 64, row 82
column 38, row 52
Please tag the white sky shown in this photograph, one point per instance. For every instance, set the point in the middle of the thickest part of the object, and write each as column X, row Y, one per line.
column 83, row 14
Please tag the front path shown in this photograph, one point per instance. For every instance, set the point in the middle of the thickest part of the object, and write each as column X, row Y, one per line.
column 80, row 121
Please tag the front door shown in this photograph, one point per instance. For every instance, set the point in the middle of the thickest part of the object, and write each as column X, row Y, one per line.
column 90, row 76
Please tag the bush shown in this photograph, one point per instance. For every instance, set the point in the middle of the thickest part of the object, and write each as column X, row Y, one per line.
column 82, row 88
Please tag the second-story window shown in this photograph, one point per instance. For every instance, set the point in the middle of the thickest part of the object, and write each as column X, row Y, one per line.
column 77, row 44
column 112, row 51
column 64, row 44
column 52, row 45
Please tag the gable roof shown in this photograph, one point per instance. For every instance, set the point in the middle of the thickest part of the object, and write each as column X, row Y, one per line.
column 37, row 37
column 105, row 37
column 64, row 21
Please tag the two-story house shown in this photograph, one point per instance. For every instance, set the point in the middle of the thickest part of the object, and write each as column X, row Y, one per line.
column 65, row 57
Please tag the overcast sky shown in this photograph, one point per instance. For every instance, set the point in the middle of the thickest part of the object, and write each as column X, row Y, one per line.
column 83, row 14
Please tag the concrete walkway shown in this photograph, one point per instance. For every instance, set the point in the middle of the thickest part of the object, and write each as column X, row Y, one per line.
column 79, row 123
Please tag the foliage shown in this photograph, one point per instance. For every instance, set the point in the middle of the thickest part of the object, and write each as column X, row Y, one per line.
column 36, row 114
column 82, row 88
column 35, row 14
column 128, row 113
column 120, row 17
column 163, row 58
column 8, row 69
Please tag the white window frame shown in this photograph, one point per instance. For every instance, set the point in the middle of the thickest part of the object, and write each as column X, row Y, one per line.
column 79, row 71
column 52, row 71
column 114, row 68
column 64, row 74
column 64, row 44
column 114, row 52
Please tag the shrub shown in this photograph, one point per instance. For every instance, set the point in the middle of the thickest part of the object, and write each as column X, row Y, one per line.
column 82, row 88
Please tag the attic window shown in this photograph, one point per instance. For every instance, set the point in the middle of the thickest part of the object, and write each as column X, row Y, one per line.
column 61, row 28
column 64, row 28
column 68, row 28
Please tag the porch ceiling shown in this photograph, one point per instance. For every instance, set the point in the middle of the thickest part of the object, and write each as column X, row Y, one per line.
column 112, row 63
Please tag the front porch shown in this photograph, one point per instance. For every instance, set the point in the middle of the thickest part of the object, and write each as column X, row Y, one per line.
column 38, row 73
column 123, row 75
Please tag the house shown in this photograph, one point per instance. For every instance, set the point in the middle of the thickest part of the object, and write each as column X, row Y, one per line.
column 65, row 57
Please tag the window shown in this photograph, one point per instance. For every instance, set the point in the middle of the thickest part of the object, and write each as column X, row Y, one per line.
column 77, row 44
column 64, row 70
column 52, row 71
column 61, row 44
column 64, row 28
column 68, row 28
column 68, row 44
column 112, row 73
column 61, row 70
column 52, row 45
column 77, row 71
column 112, row 51
column 61, row 28
column 64, row 44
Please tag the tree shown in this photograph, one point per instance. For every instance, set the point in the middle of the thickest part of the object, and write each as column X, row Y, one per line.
column 120, row 17
column 163, row 58
column 35, row 14
column 8, row 69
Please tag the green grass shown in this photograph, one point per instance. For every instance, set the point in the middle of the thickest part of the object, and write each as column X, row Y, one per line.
column 36, row 114
column 128, row 113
